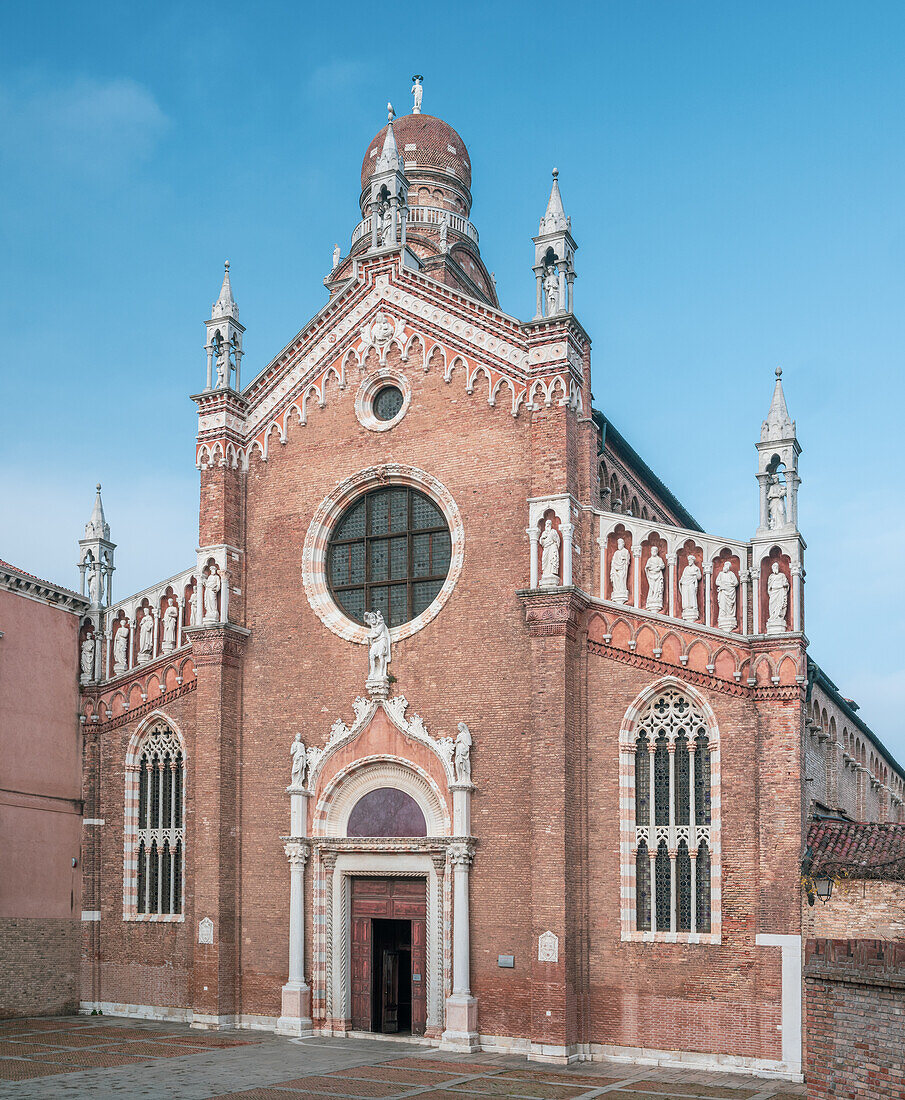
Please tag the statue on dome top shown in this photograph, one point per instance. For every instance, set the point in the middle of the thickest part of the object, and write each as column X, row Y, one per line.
column 417, row 92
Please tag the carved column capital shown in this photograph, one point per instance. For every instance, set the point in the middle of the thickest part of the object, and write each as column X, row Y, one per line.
column 297, row 853
column 439, row 861
column 328, row 859
column 460, row 855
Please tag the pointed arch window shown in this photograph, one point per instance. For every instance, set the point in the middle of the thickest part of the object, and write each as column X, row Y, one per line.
column 670, row 780
column 155, row 827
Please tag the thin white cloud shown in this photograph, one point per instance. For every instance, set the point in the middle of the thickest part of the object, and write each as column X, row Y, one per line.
column 83, row 125
column 336, row 77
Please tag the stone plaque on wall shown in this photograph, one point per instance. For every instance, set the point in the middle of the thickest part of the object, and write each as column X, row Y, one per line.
column 548, row 948
column 206, row 930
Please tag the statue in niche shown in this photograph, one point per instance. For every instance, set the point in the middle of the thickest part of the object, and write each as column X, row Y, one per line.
column 727, row 597
column 87, row 657
column 776, row 504
column 94, row 586
column 417, row 93
column 549, row 559
column 379, row 650
column 222, row 352
column 121, row 647
column 688, row 589
column 146, row 637
column 194, row 619
column 462, row 754
column 299, row 763
column 778, row 599
column 619, row 573
column 385, row 234
column 170, row 622
column 337, row 253
column 654, row 570
column 551, row 289
column 444, row 232
column 211, row 593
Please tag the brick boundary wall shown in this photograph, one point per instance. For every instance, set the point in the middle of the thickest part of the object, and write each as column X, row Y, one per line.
column 39, row 966
column 855, row 1019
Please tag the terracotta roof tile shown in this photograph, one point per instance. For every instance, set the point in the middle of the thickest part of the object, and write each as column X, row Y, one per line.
column 858, row 849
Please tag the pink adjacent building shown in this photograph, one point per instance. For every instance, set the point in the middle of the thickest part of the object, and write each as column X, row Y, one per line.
column 40, row 795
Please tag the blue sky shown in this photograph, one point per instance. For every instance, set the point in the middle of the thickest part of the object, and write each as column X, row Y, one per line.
column 736, row 180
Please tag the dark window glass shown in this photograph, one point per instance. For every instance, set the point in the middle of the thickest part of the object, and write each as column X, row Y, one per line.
column 642, row 782
column 683, row 874
column 390, row 552
column 703, row 888
column 682, row 791
column 663, row 874
column 387, row 402
column 702, row 780
column 642, row 888
column 661, row 781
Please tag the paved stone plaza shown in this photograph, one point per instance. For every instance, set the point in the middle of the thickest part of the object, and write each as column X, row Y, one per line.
column 101, row 1058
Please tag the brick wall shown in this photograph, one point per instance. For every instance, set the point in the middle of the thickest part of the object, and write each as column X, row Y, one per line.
column 855, row 1002
column 39, row 966
column 858, row 908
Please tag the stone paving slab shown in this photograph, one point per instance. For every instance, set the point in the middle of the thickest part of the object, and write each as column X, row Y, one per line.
column 94, row 1058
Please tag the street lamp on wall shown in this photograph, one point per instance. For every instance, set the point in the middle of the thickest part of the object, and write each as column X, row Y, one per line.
column 823, row 888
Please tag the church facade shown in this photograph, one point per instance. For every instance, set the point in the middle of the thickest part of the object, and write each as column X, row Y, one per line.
column 458, row 725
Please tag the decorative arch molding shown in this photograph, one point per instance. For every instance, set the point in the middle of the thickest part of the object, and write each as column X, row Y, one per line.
column 344, row 789
column 412, row 727
column 547, row 374
column 636, row 837
column 314, row 552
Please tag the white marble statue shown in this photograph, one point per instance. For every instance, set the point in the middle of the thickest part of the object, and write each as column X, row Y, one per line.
column 622, row 559
column 211, row 592
column 688, row 589
column 87, row 657
column 146, row 638
column 121, row 648
column 379, row 650
column 776, row 504
column 385, row 234
column 462, row 754
column 549, row 560
column 778, row 599
column 170, row 623
column 444, row 232
column 337, row 253
column 654, row 570
column 551, row 290
column 94, row 586
column 417, row 93
column 727, row 597
column 194, row 617
column 222, row 352
column 299, row 762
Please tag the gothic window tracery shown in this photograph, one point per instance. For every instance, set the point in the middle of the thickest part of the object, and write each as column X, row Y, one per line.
column 158, row 840
column 672, row 832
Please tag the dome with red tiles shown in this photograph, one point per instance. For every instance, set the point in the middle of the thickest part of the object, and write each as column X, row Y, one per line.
column 424, row 141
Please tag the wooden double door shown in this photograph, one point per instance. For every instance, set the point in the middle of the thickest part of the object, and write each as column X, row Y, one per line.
column 388, row 954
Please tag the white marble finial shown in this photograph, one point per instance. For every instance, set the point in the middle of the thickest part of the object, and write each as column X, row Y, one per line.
column 391, row 114
column 779, row 372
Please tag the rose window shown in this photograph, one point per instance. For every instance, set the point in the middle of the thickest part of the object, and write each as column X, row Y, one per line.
column 389, row 552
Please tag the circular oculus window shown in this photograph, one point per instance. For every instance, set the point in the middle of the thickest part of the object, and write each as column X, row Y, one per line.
column 390, row 552
column 382, row 400
column 389, row 538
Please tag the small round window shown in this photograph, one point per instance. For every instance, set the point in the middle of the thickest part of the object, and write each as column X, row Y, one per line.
column 389, row 552
column 387, row 402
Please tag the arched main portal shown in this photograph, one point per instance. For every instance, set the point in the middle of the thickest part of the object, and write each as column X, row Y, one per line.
column 386, row 827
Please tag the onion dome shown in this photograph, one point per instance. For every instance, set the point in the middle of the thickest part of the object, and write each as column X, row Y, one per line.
column 424, row 142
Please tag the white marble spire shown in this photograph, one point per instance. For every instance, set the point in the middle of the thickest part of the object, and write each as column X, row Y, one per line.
column 778, row 425
column 555, row 217
column 388, row 161
column 225, row 305
column 97, row 527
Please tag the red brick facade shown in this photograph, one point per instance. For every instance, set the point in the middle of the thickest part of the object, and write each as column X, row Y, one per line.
column 544, row 675
column 855, row 995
